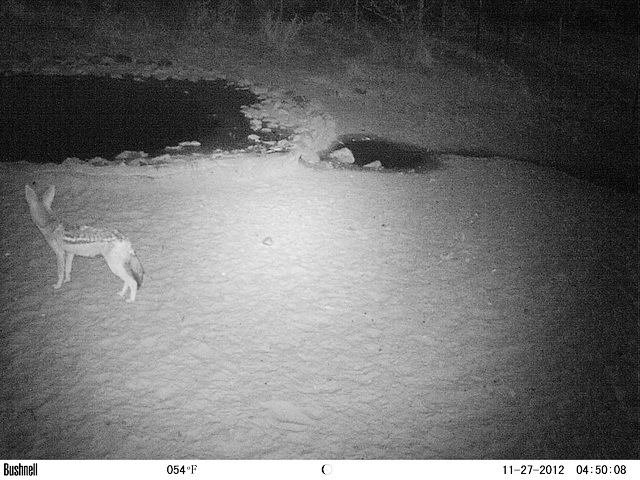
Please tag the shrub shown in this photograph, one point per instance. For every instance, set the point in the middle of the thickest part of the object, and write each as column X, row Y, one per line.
column 280, row 34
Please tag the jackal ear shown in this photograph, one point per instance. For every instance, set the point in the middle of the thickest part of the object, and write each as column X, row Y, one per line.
column 47, row 198
column 30, row 193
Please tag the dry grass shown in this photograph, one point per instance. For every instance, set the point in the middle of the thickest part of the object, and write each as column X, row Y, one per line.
column 280, row 34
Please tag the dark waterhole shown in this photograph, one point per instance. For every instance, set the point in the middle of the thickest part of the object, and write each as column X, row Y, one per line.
column 49, row 118
column 612, row 171
column 391, row 155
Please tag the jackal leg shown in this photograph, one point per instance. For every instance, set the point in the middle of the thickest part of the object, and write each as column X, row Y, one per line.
column 116, row 265
column 68, row 261
column 64, row 260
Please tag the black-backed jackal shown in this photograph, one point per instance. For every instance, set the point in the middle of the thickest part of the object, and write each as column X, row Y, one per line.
column 69, row 240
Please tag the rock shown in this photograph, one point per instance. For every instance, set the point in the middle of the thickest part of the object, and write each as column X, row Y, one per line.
column 72, row 161
column 344, row 155
column 308, row 157
column 98, row 162
column 161, row 159
column 374, row 165
column 128, row 154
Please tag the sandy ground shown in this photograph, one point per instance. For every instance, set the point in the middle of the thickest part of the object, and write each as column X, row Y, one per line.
column 485, row 310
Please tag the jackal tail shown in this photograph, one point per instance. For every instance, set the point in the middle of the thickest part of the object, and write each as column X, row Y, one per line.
column 134, row 268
